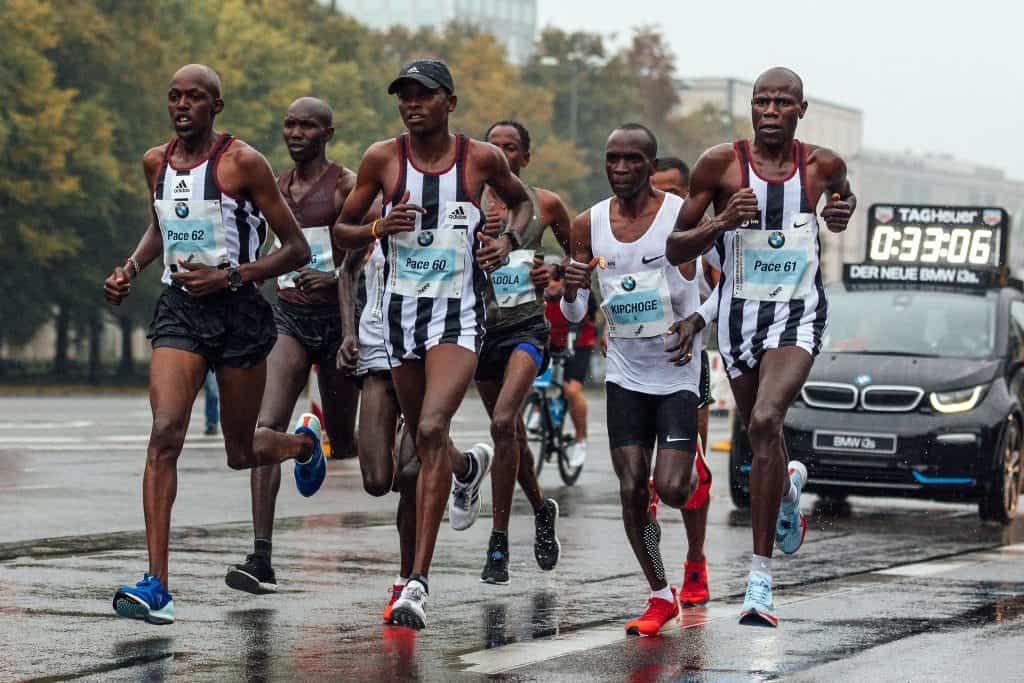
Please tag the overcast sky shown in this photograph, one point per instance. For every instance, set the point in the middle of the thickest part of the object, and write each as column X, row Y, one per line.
column 937, row 76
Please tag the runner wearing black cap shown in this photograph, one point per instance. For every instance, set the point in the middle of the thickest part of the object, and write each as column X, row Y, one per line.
column 434, row 288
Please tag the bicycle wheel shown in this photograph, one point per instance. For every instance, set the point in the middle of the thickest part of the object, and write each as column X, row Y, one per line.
column 567, row 438
column 533, row 418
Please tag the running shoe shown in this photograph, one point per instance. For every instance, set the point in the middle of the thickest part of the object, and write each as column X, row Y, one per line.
column 496, row 568
column 758, row 608
column 577, row 454
column 395, row 593
column 546, row 547
column 694, row 592
column 310, row 475
column 464, row 505
column 408, row 609
column 659, row 612
column 256, row 576
column 148, row 600
column 791, row 526
column 703, row 490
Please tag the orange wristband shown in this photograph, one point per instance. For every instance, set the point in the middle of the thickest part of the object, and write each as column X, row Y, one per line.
column 373, row 229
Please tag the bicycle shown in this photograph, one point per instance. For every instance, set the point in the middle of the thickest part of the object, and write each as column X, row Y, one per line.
column 544, row 416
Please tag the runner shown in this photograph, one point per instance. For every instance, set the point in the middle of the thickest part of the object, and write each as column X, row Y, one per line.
column 771, row 316
column 213, row 195
column 514, row 352
column 649, row 401
column 434, row 287
column 577, row 366
column 308, row 325
column 674, row 176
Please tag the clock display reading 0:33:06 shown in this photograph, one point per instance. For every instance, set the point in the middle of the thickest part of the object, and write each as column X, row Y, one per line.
column 970, row 246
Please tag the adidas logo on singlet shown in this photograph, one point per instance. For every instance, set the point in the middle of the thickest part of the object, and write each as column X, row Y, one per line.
column 458, row 214
column 413, row 70
column 182, row 188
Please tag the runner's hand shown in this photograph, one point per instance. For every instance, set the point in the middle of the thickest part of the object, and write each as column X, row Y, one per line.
column 493, row 222
column 401, row 218
column 604, row 342
column 348, row 355
column 493, row 251
column 577, row 276
column 682, row 349
column 200, row 279
column 117, row 286
column 742, row 207
column 310, row 280
column 540, row 274
column 836, row 213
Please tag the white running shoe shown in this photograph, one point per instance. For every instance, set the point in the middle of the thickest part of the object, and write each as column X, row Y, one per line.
column 577, row 454
column 464, row 505
column 408, row 610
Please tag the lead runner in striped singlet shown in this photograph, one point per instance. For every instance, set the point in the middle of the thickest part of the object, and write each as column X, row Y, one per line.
column 213, row 196
column 434, row 287
column 770, row 303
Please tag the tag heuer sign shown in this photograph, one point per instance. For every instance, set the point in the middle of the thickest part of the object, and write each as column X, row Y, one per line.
column 883, row 214
column 992, row 217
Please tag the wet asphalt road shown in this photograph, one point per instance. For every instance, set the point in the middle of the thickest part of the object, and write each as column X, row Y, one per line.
column 882, row 590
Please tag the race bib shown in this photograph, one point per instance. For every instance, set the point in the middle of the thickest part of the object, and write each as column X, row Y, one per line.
column 192, row 231
column 427, row 263
column 773, row 265
column 636, row 305
column 321, row 255
column 512, row 285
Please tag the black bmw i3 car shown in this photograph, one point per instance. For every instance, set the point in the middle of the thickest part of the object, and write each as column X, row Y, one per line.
column 919, row 387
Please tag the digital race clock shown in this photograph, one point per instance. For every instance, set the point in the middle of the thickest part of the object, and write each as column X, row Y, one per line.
column 965, row 237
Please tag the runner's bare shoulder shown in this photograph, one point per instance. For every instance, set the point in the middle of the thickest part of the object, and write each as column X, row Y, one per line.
column 715, row 161
column 824, row 158
column 152, row 160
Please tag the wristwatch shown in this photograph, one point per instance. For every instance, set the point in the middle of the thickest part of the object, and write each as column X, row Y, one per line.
column 234, row 279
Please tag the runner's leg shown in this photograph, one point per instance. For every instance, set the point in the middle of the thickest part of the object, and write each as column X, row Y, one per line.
column 408, row 472
column 175, row 377
column 632, row 465
column 378, row 414
column 577, row 407
column 339, row 393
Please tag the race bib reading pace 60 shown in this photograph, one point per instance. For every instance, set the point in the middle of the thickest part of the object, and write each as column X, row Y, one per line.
column 192, row 231
column 512, row 284
column 428, row 263
column 321, row 255
column 772, row 265
column 636, row 305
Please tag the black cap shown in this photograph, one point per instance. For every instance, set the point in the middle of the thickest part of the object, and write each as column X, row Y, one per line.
column 432, row 73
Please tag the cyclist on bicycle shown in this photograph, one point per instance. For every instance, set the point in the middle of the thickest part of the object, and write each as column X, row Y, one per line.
column 514, row 352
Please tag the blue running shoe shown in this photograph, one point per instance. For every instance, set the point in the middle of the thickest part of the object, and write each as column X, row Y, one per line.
column 310, row 475
column 758, row 608
column 148, row 600
column 791, row 526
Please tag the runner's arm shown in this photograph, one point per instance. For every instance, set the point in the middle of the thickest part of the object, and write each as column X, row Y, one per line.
column 578, row 272
column 510, row 190
column 348, row 288
column 349, row 230
column 840, row 202
column 554, row 213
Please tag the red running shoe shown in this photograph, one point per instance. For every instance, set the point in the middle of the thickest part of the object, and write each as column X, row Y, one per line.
column 694, row 592
column 396, row 592
column 659, row 612
column 703, row 490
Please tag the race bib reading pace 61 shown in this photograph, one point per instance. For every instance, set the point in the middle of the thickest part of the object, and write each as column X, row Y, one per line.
column 192, row 231
column 636, row 305
column 428, row 263
column 772, row 265
column 512, row 284
column 321, row 255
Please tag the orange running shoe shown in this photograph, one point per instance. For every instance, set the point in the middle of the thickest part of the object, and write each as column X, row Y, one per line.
column 694, row 592
column 659, row 612
column 652, row 508
column 396, row 592
column 703, row 491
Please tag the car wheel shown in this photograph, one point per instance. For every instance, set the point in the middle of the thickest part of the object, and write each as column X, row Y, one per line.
column 1000, row 502
column 739, row 455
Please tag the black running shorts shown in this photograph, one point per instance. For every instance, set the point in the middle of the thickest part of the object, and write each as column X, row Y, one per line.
column 645, row 419
column 498, row 347
column 577, row 366
column 229, row 329
column 317, row 328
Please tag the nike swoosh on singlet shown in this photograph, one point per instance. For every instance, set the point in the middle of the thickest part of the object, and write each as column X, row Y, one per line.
column 649, row 259
column 800, row 225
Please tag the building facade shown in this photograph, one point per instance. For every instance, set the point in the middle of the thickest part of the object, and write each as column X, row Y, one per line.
column 513, row 22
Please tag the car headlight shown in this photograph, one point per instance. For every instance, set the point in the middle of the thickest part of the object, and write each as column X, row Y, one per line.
column 958, row 400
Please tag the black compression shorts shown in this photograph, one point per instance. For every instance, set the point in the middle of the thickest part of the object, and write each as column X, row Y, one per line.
column 498, row 347
column 641, row 419
column 317, row 328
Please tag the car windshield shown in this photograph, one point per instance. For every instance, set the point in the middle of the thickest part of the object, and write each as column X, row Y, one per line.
column 911, row 323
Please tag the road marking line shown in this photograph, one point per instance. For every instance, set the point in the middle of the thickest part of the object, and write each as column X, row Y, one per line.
column 29, row 424
column 923, row 568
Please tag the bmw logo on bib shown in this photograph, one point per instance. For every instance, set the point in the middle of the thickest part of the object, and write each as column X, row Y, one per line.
column 628, row 283
column 776, row 239
column 425, row 239
column 181, row 210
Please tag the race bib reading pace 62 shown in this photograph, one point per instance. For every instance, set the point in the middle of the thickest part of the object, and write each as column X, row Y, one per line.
column 772, row 265
column 512, row 284
column 428, row 263
column 192, row 231
column 636, row 305
column 321, row 255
